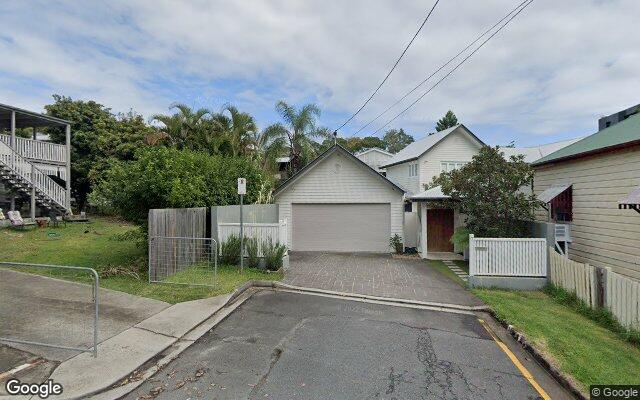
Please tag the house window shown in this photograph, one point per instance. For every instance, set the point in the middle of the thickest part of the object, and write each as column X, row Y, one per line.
column 408, row 206
column 413, row 170
column 448, row 166
column 562, row 206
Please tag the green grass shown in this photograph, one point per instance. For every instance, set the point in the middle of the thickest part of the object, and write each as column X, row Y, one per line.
column 94, row 245
column 444, row 270
column 463, row 265
column 577, row 345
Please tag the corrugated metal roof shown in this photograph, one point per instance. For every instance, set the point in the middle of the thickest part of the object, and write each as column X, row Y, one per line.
column 531, row 154
column 435, row 193
column 549, row 194
column 418, row 148
column 624, row 132
column 633, row 198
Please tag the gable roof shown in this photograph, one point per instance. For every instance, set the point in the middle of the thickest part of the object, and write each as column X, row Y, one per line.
column 535, row 153
column 416, row 149
column 333, row 149
column 376, row 149
column 619, row 135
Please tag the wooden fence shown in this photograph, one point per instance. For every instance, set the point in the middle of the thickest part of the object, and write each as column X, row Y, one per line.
column 574, row 277
column 620, row 294
column 277, row 232
column 167, row 253
column 623, row 299
column 507, row 257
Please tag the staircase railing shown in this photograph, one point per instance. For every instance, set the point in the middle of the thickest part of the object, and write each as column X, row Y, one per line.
column 32, row 175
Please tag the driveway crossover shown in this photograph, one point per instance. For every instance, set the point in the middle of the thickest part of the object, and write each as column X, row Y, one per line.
column 375, row 275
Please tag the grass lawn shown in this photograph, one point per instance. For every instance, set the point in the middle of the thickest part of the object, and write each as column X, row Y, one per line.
column 93, row 245
column 444, row 270
column 588, row 352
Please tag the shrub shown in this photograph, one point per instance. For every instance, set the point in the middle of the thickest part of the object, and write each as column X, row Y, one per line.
column 460, row 238
column 251, row 249
column 395, row 242
column 162, row 177
column 230, row 251
column 273, row 254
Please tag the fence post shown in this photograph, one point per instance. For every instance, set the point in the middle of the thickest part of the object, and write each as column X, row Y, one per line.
column 472, row 255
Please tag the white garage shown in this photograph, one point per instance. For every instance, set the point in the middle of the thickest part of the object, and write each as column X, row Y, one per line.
column 338, row 203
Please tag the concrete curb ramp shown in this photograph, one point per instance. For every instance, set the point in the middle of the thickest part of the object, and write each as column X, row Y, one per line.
column 168, row 333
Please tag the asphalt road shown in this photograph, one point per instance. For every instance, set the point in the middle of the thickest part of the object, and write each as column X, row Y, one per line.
column 282, row 345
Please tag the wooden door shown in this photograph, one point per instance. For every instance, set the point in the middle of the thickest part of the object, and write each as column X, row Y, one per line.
column 439, row 229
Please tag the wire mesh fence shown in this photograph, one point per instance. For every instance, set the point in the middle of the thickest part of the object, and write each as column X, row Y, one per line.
column 60, row 313
column 183, row 261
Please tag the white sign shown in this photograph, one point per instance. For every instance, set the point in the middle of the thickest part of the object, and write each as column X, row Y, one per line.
column 242, row 186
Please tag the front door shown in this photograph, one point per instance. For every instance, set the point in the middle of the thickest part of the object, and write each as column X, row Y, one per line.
column 439, row 230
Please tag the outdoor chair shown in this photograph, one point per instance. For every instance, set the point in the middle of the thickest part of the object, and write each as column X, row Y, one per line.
column 17, row 222
column 55, row 220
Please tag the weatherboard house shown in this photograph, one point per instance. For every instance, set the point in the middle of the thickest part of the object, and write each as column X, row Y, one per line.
column 34, row 168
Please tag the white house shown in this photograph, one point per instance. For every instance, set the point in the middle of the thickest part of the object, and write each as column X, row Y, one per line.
column 430, row 219
column 339, row 203
column 375, row 158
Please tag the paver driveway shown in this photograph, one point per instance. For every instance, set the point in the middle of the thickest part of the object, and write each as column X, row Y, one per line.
column 375, row 275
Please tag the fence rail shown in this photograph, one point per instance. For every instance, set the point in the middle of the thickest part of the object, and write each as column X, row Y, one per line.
column 507, row 257
column 276, row 232
column 14, row 327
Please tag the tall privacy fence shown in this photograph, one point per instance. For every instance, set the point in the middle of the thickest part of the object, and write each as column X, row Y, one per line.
column 598, row 287
column 38, row 311
column 507, row 257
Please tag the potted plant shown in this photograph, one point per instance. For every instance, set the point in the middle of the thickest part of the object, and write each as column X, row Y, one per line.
column 395, row 242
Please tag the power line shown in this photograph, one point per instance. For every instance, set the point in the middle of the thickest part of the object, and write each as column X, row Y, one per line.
column 454, row 69
column 477, row 39
column 391, row 70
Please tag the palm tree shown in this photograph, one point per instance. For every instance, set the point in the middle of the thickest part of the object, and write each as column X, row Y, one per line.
column 298, row 131
column 181, row 128
column 238, row 128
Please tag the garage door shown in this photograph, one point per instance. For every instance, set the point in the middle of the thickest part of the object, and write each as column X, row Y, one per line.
column 341, row 227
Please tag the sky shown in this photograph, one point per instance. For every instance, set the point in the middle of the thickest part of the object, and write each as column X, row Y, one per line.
column 547, row 76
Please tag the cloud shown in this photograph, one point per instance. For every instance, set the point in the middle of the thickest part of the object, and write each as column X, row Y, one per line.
column 549, row 74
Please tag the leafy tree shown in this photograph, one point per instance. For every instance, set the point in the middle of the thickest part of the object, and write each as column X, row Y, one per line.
column 162, row 177
column 396, row 140
column 182, row 129
column 238, row 128
column 355, row 144
column 299, row 130
column 448, row 121
column 489, row 192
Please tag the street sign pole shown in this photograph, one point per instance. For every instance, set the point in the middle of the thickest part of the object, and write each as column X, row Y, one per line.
column 242, row 190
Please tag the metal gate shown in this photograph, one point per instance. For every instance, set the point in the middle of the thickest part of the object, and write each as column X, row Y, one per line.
column 183, row 260
column 59, row 313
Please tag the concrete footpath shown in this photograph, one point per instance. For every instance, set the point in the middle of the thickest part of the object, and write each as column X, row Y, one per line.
column 121, row 355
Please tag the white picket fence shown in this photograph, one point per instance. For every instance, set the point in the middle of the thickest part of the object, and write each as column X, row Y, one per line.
column 507, row 257
column 622, row 294
column 623, row 299
column 277, row 232
column 574, row 277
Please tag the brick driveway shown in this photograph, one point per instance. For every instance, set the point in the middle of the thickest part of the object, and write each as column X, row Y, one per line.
column 375, row 275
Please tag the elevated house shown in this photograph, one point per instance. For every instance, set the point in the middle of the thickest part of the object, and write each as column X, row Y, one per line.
column 34, row 168
column 375, row 158
column 591, row 191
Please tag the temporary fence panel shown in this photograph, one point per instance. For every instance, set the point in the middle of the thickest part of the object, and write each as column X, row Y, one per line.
column 574, row 277
column 183, row 260
column 507, row 257
column 36, row 310
column 623, row 299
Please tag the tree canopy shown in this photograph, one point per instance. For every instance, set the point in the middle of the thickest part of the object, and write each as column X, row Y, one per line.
column 494, row 193
column 396, row 140
column 448, row 121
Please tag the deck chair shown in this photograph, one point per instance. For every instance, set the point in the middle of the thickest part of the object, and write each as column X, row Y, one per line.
column 17, row 222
